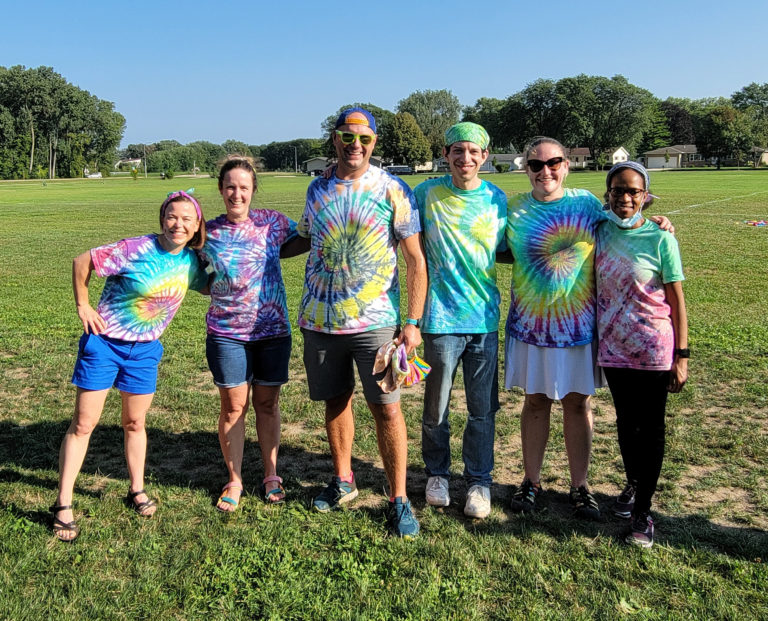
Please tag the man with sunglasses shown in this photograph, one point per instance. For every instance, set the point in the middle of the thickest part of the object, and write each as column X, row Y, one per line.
column 355, row 220
column 463, row 218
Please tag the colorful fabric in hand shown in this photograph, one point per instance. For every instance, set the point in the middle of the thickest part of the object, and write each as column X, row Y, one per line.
column 633, row 316
column 553, row 282
column 351, row 283
column 418, row 370
column 462, row 230
column 145, row 286
column 248, row 300
column 392, row 358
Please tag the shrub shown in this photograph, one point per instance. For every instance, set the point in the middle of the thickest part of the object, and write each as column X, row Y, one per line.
column 169, row 174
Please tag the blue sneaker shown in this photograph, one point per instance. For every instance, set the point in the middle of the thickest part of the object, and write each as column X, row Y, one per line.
column 337, row 493
column 401, row 520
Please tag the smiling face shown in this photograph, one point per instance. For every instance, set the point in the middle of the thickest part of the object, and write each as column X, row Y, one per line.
column 620, row 198
column 353, row 158
column 464, row 160
column 180, row 223
column 236, row 190
column 547, row 183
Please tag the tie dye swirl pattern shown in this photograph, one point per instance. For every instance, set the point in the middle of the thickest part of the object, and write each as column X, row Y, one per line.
column 248, row 300
column 462, row 230
column 145, row 286
column 553, row 282
column 351, row 282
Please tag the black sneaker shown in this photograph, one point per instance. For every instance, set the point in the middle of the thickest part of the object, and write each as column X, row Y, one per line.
column 337, row 493
column 584, row 504
column 524, row 499
column 641, row 531
column 625, row 502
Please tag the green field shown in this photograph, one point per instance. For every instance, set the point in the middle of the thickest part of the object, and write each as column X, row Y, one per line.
column 190, row 562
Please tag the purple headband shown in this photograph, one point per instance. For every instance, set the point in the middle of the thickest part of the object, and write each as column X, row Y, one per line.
column 181, row 194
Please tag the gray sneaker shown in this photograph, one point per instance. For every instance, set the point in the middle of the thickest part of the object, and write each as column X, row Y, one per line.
column 437, row 493
column 478, row 502
column 337, row 493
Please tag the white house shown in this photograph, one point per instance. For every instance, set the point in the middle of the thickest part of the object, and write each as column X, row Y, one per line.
column 580, row 157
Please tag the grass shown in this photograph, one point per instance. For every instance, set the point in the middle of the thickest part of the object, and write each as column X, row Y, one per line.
column 190, row 562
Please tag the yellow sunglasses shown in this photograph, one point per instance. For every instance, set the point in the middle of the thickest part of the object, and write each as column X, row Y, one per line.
column 349, row 137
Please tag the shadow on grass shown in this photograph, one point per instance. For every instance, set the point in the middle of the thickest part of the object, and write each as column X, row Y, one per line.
column 193, row 460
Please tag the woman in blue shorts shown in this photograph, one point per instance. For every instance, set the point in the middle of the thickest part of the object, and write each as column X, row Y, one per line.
column 249, row 335
column 147, row 278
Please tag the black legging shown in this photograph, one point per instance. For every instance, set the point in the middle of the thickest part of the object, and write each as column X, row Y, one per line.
column 640, row 398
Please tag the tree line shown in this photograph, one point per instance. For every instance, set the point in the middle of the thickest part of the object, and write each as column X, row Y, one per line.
column 50, row 128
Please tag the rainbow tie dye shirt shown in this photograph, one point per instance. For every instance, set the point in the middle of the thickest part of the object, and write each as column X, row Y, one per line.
column 462, row 229
column 145, row 286
column 248, row 299
column 633, row 317
column 351, row 283
column 553, row 280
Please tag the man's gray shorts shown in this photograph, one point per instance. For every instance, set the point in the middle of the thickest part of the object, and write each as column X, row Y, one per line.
column 328, row 360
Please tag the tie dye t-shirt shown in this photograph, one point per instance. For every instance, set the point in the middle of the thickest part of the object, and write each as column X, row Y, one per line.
column 248, row 299
column 462, row 229
column 553, row 280
column 633, row 317
column 351, row 283
column 145, row 286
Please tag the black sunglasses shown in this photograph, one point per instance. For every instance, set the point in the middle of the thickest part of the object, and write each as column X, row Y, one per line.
column 619, row 192
column 553, row 164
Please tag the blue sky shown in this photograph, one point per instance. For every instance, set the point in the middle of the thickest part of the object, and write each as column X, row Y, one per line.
column 264, row 71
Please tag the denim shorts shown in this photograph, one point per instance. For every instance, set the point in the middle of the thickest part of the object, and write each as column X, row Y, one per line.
column 130, row 366
column 234, row 362
column 328, row 359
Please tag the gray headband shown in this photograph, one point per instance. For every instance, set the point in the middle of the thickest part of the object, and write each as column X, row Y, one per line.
column 638, row 168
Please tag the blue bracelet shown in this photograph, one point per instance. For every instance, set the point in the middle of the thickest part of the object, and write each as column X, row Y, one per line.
column 412, row 322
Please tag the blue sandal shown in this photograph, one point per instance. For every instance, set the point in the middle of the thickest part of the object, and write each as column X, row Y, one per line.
column 226, row 499
column 276, row 493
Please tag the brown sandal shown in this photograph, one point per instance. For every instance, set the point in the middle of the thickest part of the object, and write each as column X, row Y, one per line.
column 141, row 507
column 59, row 526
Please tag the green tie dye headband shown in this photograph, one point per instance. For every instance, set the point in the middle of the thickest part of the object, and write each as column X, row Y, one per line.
column 467, row 132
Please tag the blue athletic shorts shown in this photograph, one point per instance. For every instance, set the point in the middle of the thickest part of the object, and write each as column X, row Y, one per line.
column 130, row 366
column 234, row 362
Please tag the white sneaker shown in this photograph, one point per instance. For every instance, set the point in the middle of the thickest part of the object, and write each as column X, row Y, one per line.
column 478, row 502
column 437, row 492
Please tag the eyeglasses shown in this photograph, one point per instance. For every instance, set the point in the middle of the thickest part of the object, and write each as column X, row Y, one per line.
column 619, row 192
column 553, row 164
column 349, row 138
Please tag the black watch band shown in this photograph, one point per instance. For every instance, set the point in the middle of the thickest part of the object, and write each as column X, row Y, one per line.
column 683, row 353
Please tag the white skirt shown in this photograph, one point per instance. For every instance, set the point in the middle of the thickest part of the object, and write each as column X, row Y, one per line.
column 553, row 371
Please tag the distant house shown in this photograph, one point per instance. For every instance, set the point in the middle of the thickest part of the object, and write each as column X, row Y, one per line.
column 315, row 165
column 617, row 155
column 580, row 157
column 675, row 156
column 759, row 156
column 515, row 161
column 130, row 163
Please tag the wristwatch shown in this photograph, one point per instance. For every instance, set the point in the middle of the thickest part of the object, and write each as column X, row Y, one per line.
column 683, row 353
